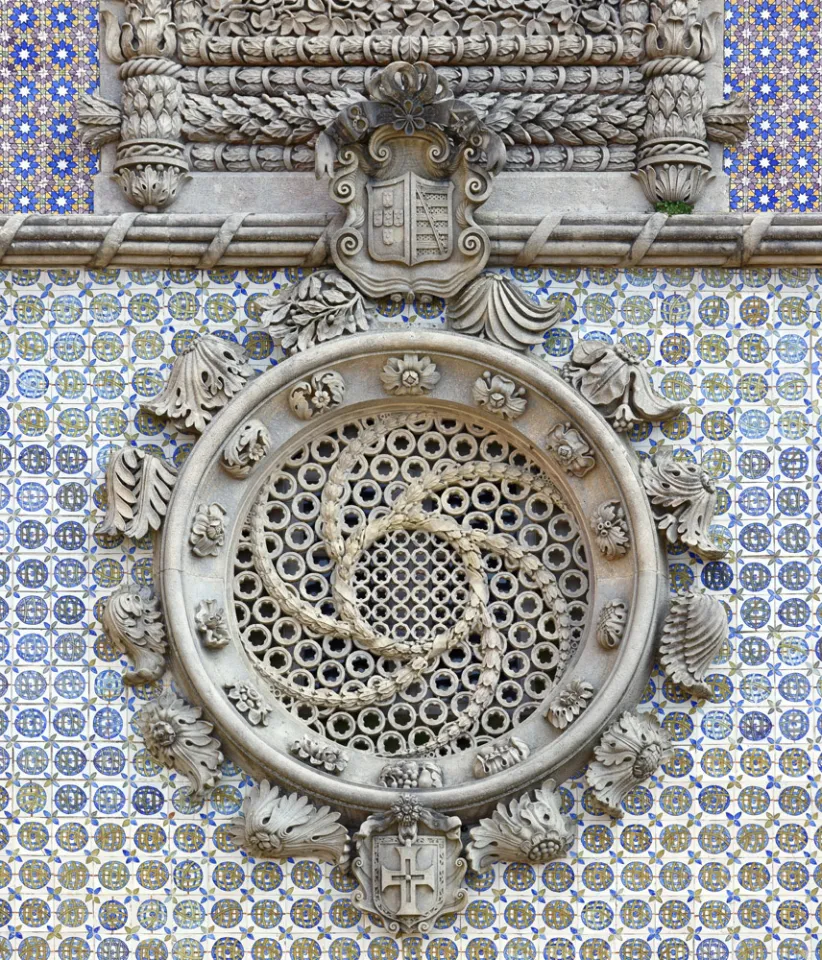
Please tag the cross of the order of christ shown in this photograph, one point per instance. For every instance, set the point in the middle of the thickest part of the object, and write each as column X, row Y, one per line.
column 409, row 878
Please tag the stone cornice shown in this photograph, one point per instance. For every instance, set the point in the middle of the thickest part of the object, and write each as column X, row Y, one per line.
column 254, row 240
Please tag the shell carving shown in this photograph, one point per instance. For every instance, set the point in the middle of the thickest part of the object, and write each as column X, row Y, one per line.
column 695, row 629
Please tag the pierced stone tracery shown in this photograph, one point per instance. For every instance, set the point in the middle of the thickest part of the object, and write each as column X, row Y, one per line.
column 410, row 584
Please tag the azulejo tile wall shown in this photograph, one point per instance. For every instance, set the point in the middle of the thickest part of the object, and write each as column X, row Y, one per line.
column 104, row 856
column 772, row 56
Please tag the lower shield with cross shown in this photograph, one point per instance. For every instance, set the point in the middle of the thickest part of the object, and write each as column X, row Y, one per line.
column 409, row 865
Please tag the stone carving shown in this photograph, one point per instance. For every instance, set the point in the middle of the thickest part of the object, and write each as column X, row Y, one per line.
column 177, row 737
column 569, row 702
column 674, row 162
column 571, row 449
column 133, row 623
column 409, row 375
column 630, row 751
column 206, row 374
column 409, row 866
column 249, row 444
column 611, row 529
column 500, row 755
column 496, row 309
column 208, row 530
column 611, row 623
column 323, row 755
column 322, row 306
column 322, row 392
column 411, row 775
column 99, row 120
column 248, row 702
column 211, row 624
column 683, row 499
column 432, row 18
column 499, row 395
column 612, row 378
column 279, row 826
column 728, row 122
column 151, row 160
column 531, row 829
column 409, row 164
column 694, row 632
column 138, row 489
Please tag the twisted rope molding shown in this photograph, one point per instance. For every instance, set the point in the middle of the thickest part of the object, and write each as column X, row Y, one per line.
column 257, row 240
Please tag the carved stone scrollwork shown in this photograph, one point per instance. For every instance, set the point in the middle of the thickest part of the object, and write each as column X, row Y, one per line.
column 611, row 623
column 613, row 379
column 493, row 307
column 683, row 497
column 276, row 825
column 138, row 490
column 151, row 160
column 630, row 752
column 176, row 736
column 205, row 375
column 133, row 623
column 532, row 829
column 409, row 865
column 693, row 635
column 409, row 164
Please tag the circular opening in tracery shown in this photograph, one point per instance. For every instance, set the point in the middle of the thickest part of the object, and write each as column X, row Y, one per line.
column 404, row 585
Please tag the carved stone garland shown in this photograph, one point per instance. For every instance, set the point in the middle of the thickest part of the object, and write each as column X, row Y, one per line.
column 407, row 628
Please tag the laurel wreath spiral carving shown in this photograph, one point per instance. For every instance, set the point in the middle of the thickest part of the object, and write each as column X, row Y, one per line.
column 403, row 534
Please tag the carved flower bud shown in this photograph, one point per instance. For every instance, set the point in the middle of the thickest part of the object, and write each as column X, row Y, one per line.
column 545, row 848
column 647, row 761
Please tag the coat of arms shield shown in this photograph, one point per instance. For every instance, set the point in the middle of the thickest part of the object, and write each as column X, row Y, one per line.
column 410, row 219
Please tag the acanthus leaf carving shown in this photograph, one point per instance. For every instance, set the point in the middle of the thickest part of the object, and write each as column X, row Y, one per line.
column 206, row 374
column 176, row 736
column 531, row 829
column 695, row 630
column 493, row 307
column 249, row 444
column 276, row 825
column 630, row 751
column 322, row 306
column 612, row 378
column 322, row 392
column 138, row 490
column 133, row 622
column 683, row 500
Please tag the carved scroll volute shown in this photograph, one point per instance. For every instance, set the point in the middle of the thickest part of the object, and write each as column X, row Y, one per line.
column 409, row 164
column 151, row 163
column 674, row 161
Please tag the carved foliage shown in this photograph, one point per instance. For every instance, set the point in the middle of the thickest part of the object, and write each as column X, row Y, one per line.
column 409, row 375
column 138, row 489
column 611, row 623
column 133, row 622
column 207, row 373
column 531, row 829
column 571, row 449
column 323, row 391
column 248, row 701
column 683, row 498
column 207, row 530
column 728, row 122
column 322, row 755
column 630, row 751
column 612, row 378
column 499, row 395
column 493, row 307
column 211, row 623
column 610, row 528
column 246, row 447
column 569, row 702
column 99, row 120
column 176, row 736
column 278, row 825
column 322, row 306
column 695, row 629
